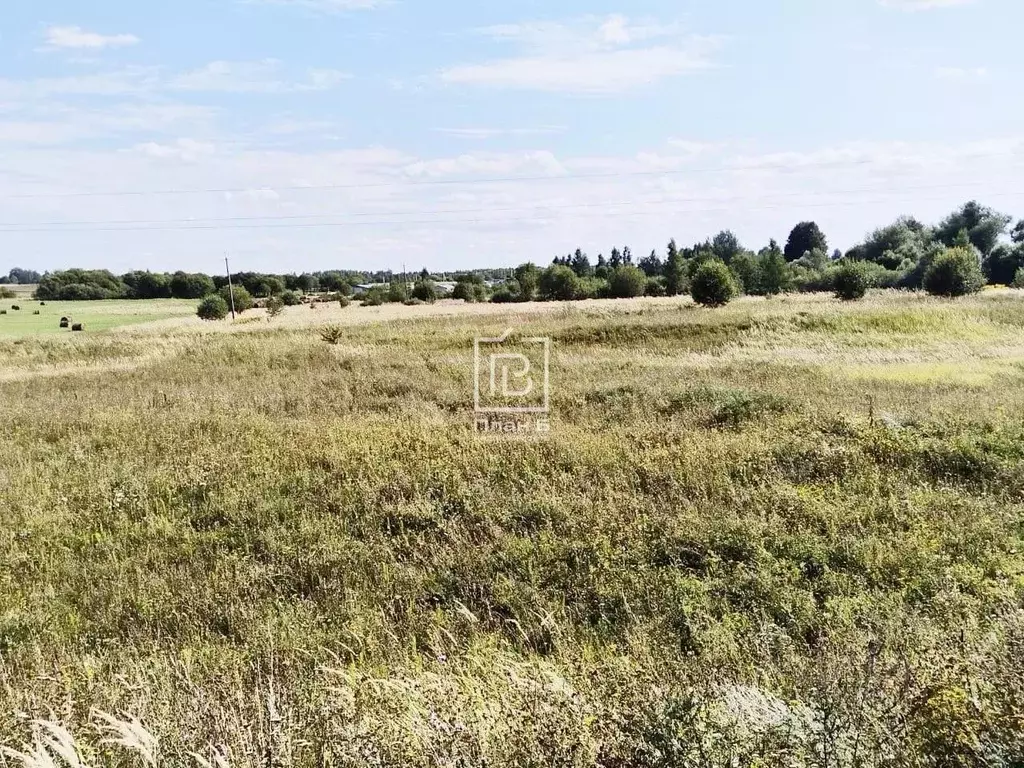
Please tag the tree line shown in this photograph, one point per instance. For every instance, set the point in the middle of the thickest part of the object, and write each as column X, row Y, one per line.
column 898, row 255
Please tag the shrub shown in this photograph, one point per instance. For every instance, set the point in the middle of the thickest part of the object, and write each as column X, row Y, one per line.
column 275, row 306
column 850, row 281
column 713, row 285
column 290, row 299
column 627, row 282
column 425, row 291
column 343, row 300
column 243, row 299
column 559, row 283
column 656, row 286
column 213, row 308
column 465, row 291
column 332, row 334
column 503, row 295
column 1018, row 280
column 397, row 293
column 956, row 272
column 414, row 302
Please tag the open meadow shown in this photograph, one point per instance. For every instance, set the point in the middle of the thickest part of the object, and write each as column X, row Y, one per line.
column 35, row 317
column 784, row 532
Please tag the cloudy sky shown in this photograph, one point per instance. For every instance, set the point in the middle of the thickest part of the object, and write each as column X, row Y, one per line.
column 313, row 134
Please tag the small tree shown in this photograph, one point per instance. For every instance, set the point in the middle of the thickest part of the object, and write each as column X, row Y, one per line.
column 850, row 281
column 213, row 308
column 425, row 290
column 713, row 284
column 290, row 299
column 464, row 291
column 1018, row 281
column 805, row 237
column 275, row 306
column 956, row 272
column 243, row 299
column 627, row 282
column 558, row 283
column 773, row 273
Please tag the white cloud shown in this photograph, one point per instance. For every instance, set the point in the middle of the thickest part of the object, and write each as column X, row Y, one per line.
column 324, row 6
column 495, row 133
column 923, row 5
column 78, row 38
column 252, row 77
column 962, row 74
column 186, row 150
column 588, row 56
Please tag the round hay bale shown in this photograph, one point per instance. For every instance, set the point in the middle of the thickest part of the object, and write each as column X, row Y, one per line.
column 77, row 327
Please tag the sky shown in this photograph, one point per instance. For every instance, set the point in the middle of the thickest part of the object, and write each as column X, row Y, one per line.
column 301, row 135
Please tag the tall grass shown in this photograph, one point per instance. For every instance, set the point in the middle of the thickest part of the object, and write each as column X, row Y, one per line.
column 733, row 549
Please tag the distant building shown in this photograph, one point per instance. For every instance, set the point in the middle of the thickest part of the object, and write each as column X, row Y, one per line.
column 362, row 290
column 445, row 288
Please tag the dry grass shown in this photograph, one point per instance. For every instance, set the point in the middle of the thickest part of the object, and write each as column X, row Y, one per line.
column 782, row 533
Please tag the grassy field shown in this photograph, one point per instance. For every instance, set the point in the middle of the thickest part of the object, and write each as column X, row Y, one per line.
column 94, row 315
column 786, row 532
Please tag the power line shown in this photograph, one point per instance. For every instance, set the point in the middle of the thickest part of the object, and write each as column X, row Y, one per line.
column 16, row 226
column 471, row 182
column 393, row 223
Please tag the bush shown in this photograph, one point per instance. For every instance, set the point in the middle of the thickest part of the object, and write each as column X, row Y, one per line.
column 397, row 293
column 243, row 299
column 275, row 306
column 290, row 299
column 656, row 286
column 713, row 285
column 332, row 334
column 344, row 300
column 850, row 281
column 425, row 291
column 1018, row 280
column 465, row 291
column 414, row 302
column 559, row 283
column 956, row 272
column 213, row 308
column 503, row 295
column 627, row 282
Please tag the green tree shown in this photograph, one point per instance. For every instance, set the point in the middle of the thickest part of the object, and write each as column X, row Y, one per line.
column 744, row 268
column 955, row 273
column 528, row 277
column 1002, row 264
column 652, row 265
column 805, row 237
column 984, row 226
column 773, row 273
column 580, row 264
column 559, row 283
column 185, row 286
column 425, row 290
column 275, row 306
column 713, row 284
column 850, row 281
column 1018, row 233
column 213, row 308
column 627, row 282
column 1018, row 280
column 905, row 240
column 726, row 246
column 243, row 300
column 675, row 271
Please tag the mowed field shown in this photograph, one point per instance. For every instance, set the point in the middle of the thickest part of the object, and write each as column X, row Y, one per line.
column 785, row 532
column 94, row 315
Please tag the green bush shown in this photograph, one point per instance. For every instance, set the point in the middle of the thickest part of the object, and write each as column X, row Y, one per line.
column 464, row 292
column 850, row 281
column 1018, row 280
column 504, row 295
column 275, row 306
column 627, row 282
column 374, row 297
column 425, row 291
column 243, row 299
column 713, row 284
column 332, row 334
column 213, row 308
column 397, row 293
column 956, row 272
column 291, row 298
column 656, row 286
column 344, row 300
column 559, row 283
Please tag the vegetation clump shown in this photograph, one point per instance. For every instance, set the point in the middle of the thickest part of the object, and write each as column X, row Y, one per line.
column 956, row 272
column 850, row 281
column 713, row 285
column 213, row 308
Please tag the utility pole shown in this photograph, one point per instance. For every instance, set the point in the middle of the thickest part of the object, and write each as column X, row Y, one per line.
column 231, row 288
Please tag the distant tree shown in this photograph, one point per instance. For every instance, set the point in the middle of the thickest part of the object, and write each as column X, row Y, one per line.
column 616, row 259
column 20, row 276
column 147, row 285
column 528, row 278
column 984, row 226
column 1018, row 281
column 1002, row 264
column 955, row 273
column 465, row 290
column 425, row 290
column 773, row 273
column 397, row 293
column 196, row 286
column 851, row 281
column 627, row 282
column 275, row 306
column 805, row 237
column 424, row 274
column 675, row 271
column 837, row 255
column 744, row 267
column 307, row 283
column 713, row 284
column 580, row 264
column 651, row 265
column 243, row 300
column 655, row 286
column 290, row 299
column 559, row 283
column 1017, row 235
column 905, row 240
column 726, row 246
column 627, row 255
column 213, row 308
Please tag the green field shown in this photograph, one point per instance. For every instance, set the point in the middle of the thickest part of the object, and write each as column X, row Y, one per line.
column 781, row 533
column 94, row 315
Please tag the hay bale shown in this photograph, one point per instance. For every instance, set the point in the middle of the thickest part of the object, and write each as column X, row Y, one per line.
column 3, row 311
column 77, row 327
column 65, row 324
column 36, row 312
column 15, row 307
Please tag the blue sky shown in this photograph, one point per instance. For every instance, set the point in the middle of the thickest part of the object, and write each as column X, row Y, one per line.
column 311, row 134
